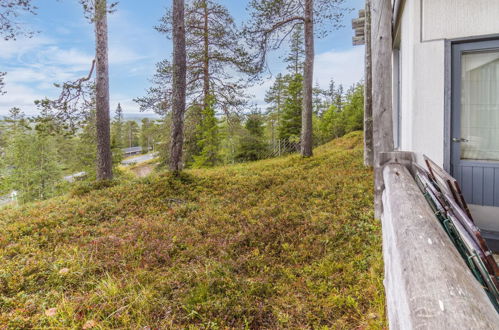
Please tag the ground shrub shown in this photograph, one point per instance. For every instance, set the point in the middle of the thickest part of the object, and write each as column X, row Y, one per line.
column 280, row 243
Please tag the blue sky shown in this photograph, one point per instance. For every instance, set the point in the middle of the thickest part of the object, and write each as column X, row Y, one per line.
column 63, row 50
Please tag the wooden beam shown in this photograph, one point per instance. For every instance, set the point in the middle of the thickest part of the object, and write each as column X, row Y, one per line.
column 359, row 32
column 357, row 41
column 428, row 285
column 381, row 38
column 358, row 23
column 368, row 105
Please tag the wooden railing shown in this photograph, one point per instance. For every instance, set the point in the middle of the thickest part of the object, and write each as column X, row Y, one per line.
column 428, row 285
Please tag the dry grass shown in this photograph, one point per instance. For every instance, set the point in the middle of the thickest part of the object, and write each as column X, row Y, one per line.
column 282, row 243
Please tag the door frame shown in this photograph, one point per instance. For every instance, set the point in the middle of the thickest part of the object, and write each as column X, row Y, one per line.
column 450, row 96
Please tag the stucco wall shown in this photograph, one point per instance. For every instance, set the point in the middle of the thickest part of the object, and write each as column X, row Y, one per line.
column 422, row 87
column 459, row 18
column 424, row 27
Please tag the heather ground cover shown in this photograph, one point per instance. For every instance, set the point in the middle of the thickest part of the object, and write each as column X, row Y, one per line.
column 280, row 243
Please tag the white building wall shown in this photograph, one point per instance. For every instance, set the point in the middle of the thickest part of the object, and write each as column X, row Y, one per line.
column 459, row 18
column 424, row 27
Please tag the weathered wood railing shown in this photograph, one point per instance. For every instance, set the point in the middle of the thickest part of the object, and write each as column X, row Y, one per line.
column 427, row 283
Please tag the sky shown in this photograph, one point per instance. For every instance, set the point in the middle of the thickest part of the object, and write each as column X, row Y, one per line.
column 63, row 50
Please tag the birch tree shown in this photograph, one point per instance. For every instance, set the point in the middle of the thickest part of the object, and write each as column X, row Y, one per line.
column 272, row 21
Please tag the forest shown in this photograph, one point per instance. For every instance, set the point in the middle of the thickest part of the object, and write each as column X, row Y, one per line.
column 220, row 124
column 209, row 209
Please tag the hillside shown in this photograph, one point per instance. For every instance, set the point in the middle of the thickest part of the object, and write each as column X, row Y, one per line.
column 281, row 243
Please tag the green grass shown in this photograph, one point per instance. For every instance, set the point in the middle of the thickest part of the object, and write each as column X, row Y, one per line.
column 281, row 243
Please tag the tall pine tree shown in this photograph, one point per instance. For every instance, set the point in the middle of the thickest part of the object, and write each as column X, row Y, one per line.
column 275, row 97
column 273, row 20
column 252, row 145
column 34, row 169
column 117, row 140
column 209, row 141
column 290, row 127
column 215, row 52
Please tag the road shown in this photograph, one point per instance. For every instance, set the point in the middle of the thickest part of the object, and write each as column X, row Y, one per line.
column 140, row 159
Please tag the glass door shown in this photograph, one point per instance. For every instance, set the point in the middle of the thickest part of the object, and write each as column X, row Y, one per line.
column 475, row 120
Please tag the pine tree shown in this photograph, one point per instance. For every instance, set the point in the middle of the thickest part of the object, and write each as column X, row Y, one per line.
column 147, row 134
column 131, row 133
column 179, row 84
column 10, row 28
column 290, row 127
column 10, row 10
column 2, row 82
column 338, row 98
column 353, row 108
column 335, row 123
column 215, row 53
column 275, row 97
column 331, row 92
column 209, row 141
column 96, row 12
column 117, row 140
column 296, row 56
column 252, row 145
column 273, row 20
column 231, row 130
column 318, row 102
column 34, row 167
column 104, row 155
column 83, row 155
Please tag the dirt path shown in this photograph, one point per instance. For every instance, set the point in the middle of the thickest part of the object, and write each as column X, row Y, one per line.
column 142, row 171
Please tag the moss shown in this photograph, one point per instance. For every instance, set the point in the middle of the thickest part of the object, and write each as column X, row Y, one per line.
column 280, row 243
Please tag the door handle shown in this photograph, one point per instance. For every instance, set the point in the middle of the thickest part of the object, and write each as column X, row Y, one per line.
column 460, row 140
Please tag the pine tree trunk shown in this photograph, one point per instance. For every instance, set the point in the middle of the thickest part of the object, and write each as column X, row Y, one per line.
column 206, row 58
column 368, row 105
column 308, row 72
column 104, row 157
column 381, row 38
column 178, row 86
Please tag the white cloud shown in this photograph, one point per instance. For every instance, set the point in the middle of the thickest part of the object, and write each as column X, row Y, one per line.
column 257, row 92
column 73, row 58
column 16, row 48
column 345, row 67
column 20, row 96
column 127, row 103
column 119, row 55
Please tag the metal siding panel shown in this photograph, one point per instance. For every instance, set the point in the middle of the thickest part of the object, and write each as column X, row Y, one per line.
column 488, row 186
column 456, row 172
column 477, row 189
column 496, row 187
column 467, row 180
